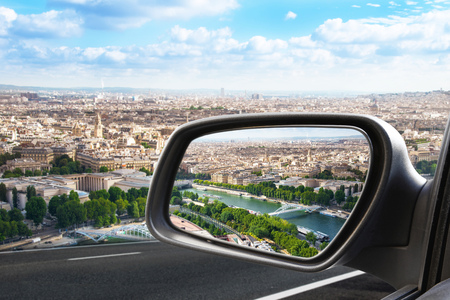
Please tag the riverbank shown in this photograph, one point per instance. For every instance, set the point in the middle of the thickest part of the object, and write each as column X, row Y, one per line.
column 333, row 212
column 228, row 191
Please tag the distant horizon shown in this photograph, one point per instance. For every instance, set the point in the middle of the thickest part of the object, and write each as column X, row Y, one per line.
column 268, row 92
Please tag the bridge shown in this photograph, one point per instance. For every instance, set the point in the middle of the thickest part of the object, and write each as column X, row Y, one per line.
column 183, row 184
column 130, row 232
column 290, row 207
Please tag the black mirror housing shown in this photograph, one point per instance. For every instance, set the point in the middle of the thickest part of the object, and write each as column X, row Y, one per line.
column 382, row 218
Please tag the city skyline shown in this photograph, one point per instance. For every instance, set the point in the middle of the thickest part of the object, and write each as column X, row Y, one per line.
column 281, row 133
column 377, row 46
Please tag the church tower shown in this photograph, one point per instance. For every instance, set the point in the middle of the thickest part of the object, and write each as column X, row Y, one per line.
column 98, row 129
column 76, row 130
column 309, row 157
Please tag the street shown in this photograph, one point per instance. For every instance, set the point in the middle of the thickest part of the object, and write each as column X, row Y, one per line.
column 154, row 270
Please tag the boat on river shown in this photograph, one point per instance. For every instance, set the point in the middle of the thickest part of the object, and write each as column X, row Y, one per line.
column 211, row 196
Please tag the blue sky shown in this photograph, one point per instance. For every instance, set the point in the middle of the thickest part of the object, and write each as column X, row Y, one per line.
column 371, row 46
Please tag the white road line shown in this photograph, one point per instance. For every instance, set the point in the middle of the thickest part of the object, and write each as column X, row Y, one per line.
column 102, row 256
column 311, row 286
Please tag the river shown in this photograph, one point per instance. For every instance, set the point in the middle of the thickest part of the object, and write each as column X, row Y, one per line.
column 314, row 221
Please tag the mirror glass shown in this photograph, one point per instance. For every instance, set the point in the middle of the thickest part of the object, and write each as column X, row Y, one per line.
column 285, row 190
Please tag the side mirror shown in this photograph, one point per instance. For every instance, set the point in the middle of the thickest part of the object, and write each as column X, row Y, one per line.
column 381, row 218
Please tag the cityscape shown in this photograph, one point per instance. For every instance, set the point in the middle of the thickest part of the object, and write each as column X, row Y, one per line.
column 64, row 145
column 92, row 91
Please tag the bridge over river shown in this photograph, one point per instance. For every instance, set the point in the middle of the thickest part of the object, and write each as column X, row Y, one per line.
column 130, row 232
column 290, row 207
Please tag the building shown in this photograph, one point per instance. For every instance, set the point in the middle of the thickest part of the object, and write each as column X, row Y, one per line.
column 44, row 154
column 98, row 128
column 25, row 164
column 77, row 130
column 114, row 163
column 39, row 154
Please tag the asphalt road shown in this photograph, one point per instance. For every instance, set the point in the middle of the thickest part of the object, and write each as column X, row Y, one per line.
column 153, row 270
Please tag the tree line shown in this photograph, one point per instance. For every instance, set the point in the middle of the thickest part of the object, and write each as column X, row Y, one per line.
column 302, row 194
column 12, row 225
column 186, row 175
column 62, row 165
column 103, row 207
column 277, row 229
column 426, row 167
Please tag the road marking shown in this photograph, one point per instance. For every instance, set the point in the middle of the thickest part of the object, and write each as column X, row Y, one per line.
column 311, row 286
column 102, row 256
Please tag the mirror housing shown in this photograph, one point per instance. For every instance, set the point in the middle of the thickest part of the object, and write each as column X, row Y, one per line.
column 382, row 218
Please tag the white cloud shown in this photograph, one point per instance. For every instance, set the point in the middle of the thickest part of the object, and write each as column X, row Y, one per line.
column 373, row 5
column 198, row 36
column 387, row 53
column 262, row 45
column 411, row 3
column 392, row 3
column 49, row 24
column 303, row 42
column 119, row 14
column 290, row 16
column 356, row 6
column 7, row 16
column 428, row 32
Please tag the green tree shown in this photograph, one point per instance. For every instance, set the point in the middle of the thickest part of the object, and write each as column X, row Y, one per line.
column 15, row 215
column 339, row 196
column 176, row 192
column 15, row 197
column 73, row 196
column 141, row 205
column 2, row 192
column 64, row 170
column 23, row 229
column 55, row 171
column 121, row 206
column 71, row 213
column 37, row 173
column 28, row 173
column 323, row 245
column 31, row 192
column 98, row 194
column 36, row 209
column 18, row 172
column 175, row 200
column 133, row 209
column 355, row 188
column 114, row 193
column 100, row 210
column 146, row 171
column 53, row 205
column 103, row 169
column 311, row 237
column 4, row 215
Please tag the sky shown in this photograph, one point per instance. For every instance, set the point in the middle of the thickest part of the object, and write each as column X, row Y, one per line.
column 280, row 133
column 254, row 45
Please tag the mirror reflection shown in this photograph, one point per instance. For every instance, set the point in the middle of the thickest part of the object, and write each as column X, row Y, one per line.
column 286, row 190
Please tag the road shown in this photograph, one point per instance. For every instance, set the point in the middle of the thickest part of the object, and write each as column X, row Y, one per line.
column 154, row 270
